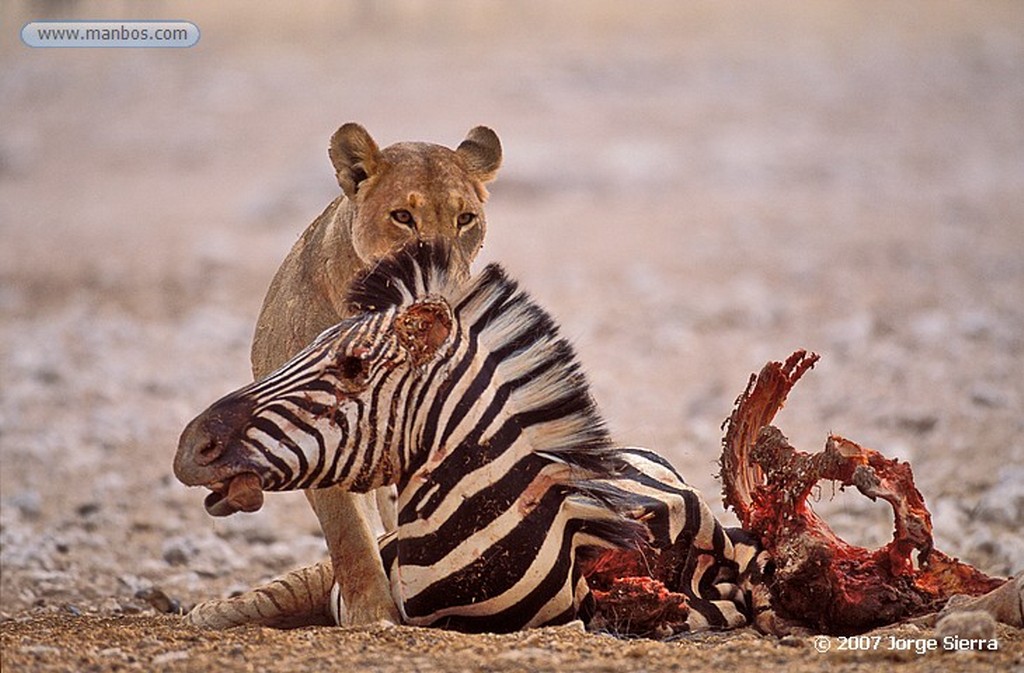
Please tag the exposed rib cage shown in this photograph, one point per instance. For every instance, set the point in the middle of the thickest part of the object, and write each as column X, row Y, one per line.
column 507, row 476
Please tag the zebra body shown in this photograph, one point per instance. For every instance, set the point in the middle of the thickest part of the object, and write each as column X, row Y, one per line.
column 464, row 396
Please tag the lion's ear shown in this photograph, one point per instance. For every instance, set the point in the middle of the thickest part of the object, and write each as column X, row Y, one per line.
column 355, row 157
column 481, row 150
column 423, row 328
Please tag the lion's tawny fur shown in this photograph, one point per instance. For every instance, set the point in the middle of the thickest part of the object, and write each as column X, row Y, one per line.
column 434, row 184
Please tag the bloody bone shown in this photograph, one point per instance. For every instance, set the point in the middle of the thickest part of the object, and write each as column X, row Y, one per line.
column 819, row 579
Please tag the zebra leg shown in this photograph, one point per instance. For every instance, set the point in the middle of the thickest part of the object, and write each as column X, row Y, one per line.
column 299, row 598
column 714, row 567
column 346, row 522
column 719, row 574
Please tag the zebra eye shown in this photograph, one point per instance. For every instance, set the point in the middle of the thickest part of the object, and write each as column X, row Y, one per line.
column 465, row 219
column 404, row 218
column 351, row 367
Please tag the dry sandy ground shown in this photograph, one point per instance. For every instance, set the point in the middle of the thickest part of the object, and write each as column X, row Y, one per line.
column 691, row 188
column 161, row 643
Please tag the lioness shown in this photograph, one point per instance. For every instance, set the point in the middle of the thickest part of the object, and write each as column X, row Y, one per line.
column 406, row 191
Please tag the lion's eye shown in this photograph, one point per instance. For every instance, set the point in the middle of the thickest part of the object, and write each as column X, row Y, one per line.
column 466, row 219
column 404, row 218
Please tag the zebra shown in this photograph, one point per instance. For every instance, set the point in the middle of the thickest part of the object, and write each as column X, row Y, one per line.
column 463, row 394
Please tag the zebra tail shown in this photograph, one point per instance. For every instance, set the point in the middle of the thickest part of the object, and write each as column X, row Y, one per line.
column 299, row 598
column 605, row 524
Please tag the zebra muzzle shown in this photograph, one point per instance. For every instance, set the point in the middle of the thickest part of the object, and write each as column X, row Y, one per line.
column 241, row 493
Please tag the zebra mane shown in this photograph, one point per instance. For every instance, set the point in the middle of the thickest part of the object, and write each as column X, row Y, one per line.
column 510, row 322
column 411, row 273
column 506, row 321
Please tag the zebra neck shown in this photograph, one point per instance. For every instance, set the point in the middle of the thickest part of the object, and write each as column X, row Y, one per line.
column 509, row 397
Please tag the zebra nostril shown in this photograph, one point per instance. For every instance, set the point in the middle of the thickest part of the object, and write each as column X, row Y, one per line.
column 208, row 451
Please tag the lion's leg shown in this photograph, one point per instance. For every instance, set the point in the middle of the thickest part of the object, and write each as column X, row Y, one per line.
column 304, row 597
column 387, row 507
column 299, row 598
column 345, row 519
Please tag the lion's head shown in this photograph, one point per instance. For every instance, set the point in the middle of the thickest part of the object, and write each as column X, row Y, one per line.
column 415, row 190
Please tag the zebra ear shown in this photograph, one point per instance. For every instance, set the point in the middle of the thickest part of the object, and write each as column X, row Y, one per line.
column 423, row 328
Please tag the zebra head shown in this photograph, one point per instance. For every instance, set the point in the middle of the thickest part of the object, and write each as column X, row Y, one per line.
column 325, row 417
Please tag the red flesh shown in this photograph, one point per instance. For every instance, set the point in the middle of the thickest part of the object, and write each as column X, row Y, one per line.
column 821, row 580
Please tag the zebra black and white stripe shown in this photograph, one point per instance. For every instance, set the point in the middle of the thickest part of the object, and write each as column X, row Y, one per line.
column 465, row 396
